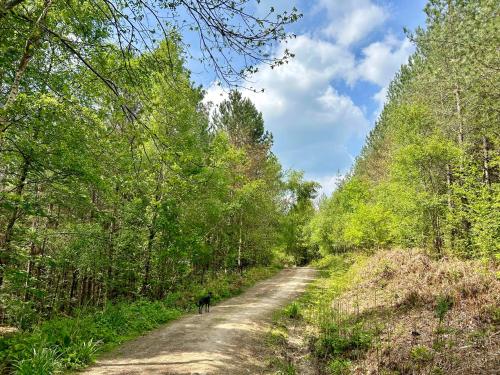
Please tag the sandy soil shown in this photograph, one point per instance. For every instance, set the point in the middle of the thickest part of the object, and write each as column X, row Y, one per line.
column 224, row 341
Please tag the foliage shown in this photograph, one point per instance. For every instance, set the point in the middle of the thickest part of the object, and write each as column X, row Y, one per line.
column 115, row 181
column 357, row 316
column 333, row 343
column 421, row 354
column 339, row 366
column 443, row 305
column 41, row 362
column 121, row 198
column 428, row 174
column 332, row 338
column 73, row 342
column 292, row 311
column 299, row 210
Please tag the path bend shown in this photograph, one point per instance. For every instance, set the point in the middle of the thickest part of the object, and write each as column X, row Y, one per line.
column 224, row 341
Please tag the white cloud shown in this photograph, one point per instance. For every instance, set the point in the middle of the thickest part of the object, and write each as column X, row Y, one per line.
column 351, row 21
column 329, row 183
column 380, row 97
column 316, row 63
column 381, row 60
column 317, row 128
column 310, row 120
column 215, row 94
column 340, row 107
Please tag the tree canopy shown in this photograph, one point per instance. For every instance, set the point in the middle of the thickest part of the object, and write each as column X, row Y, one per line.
column 113, row 182
column 428, row 175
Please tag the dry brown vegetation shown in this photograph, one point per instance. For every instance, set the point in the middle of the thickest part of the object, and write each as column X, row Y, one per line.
column 405, row 312
column 406, row 291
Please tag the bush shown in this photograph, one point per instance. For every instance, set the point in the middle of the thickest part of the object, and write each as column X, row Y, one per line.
column 443, row 305
column 336, row 341
column 421, row 354
column 79, row 355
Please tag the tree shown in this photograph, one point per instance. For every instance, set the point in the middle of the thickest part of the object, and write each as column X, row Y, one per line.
column 241, row 120
column 429, row 168
column 257, row 187
column 299, row 211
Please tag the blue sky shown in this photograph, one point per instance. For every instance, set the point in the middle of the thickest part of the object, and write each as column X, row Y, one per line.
column 321, row 106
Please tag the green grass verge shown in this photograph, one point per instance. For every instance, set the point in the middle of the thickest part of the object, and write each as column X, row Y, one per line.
column 71, row 343
column 332, row 338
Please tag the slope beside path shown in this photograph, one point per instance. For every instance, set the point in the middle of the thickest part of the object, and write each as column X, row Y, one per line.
column 224, row 341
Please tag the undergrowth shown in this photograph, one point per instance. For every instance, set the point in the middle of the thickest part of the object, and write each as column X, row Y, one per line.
column 72, row 343
column 332, row 340
column 394, row 312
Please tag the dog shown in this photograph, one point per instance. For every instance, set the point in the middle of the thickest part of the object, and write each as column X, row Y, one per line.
column 204, row 301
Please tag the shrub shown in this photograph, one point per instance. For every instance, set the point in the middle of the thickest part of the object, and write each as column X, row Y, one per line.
column 73, row 342
column 443, row 305
column 79, row 355
column 334, row 341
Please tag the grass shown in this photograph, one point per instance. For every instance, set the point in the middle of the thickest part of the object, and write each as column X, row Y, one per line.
column 282, row 367
column 394, row 311
column 331, row 337
column 72, row 343
column 339, row 367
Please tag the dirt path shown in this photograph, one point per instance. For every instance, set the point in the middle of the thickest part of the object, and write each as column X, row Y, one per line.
column 224, row 341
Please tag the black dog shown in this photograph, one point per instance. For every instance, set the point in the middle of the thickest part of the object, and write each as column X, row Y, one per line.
column 204, row 301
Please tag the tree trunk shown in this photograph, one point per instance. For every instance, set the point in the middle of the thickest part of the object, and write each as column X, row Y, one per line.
column 74, row 285
column 55, row 294
column 466, row 225
column 31, row 44
column 438, row 238
column 453, row 231
column 147, row 265
column 9, row 230
column 152, row 233
column 458, row 108
column 448, row 186
column 240, row 243
column 109, row 274
column 486, row 159
column 85, row 290
column 29, row 271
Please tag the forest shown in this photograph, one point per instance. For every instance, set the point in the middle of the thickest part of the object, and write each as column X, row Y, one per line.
column 116, row 181
column 428, row 175
column 125, row 195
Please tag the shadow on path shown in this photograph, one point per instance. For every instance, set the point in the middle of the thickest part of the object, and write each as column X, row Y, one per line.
column 223, row 341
